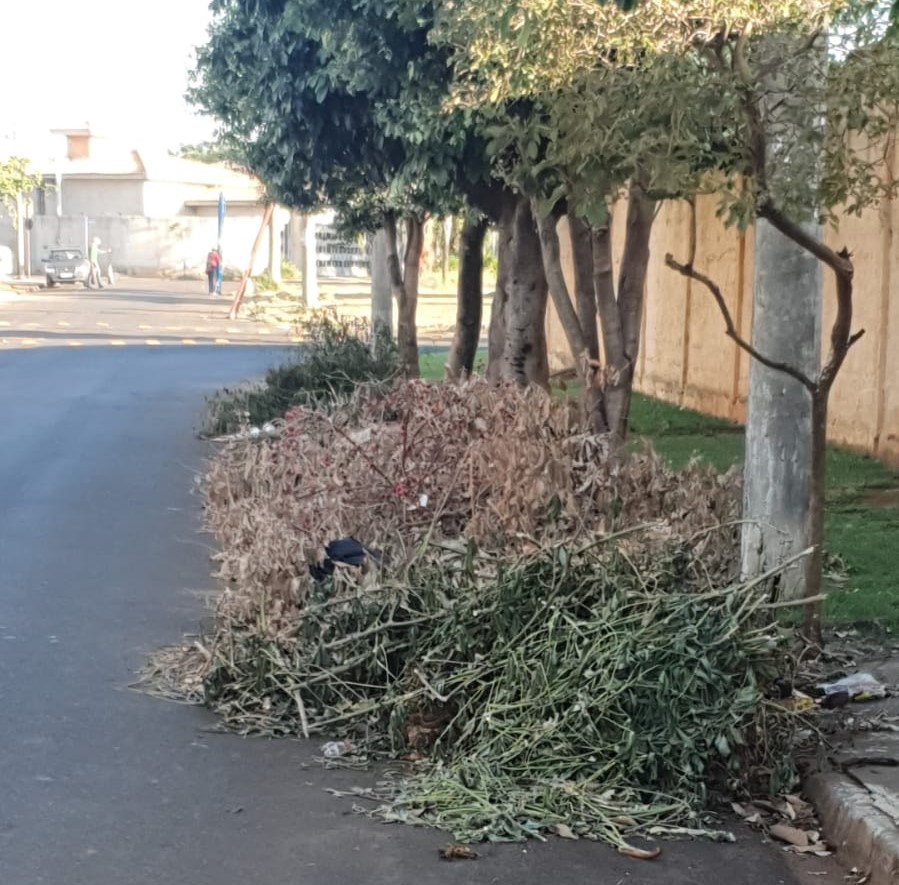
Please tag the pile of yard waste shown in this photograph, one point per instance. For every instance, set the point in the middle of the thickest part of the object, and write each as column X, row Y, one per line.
column 504, row 467
column 551, row 637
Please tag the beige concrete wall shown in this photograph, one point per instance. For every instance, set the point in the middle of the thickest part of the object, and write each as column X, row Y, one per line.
column 153, row 246
column 687, row 359
column 94, row 197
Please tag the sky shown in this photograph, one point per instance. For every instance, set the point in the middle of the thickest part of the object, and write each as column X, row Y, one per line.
column 120, row 65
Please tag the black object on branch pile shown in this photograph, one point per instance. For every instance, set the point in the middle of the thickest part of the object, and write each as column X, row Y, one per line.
column 347, row 551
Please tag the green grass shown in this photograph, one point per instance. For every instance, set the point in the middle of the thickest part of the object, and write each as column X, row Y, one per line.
column 431, row 364
column 863, row 533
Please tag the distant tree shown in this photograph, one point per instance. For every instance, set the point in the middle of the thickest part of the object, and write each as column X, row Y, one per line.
column 208, row 152
column 17, row 185
column 336, row 104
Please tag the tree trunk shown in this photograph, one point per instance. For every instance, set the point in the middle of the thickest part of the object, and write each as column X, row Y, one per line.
column 631, row 296
column 310, row 269
column 404, row 286
column 381, row 298
column 577, row 321
column 814, row 562
column 585, row 294
column 786, row 316
column 500, row 305
column 592, row 396
column 409, row 308
column 524, row 355
column 448, row 225
column 470, row 298
column 777, row 473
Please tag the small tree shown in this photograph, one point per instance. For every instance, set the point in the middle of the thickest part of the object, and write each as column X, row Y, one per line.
column 17, row 183
column 840, row 110
column 740, row 99
column 583, row 116
column 280, row 80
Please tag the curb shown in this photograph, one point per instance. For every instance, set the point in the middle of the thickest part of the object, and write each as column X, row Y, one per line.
column 862, row 833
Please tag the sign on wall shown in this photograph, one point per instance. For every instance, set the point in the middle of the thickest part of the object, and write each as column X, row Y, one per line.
column 336, row 256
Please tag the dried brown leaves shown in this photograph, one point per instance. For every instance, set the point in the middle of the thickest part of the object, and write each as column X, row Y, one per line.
column 507, row 468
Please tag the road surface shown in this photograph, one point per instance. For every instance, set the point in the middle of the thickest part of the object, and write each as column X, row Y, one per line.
column 101, row 561
column 150, row 313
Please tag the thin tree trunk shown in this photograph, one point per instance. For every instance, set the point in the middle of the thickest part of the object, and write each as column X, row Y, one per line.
column 524, row 356
column 500, row 305
column 841, row 340
column 470, row 298
column 814, row 562
column 592, row 396
column 585, row 294
column 631, row 296
column 405, row 289
column 381, row 296
column 574, row 319
column 407, row 332
column 241, row 289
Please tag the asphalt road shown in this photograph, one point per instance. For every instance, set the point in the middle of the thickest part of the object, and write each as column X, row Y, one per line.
column 101, row 561
column 148, row 313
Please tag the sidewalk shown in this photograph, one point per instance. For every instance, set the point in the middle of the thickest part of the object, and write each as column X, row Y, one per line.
column 858, row 800
column 10, row 286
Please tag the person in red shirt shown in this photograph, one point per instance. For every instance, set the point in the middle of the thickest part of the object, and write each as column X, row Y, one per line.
column 213, row 260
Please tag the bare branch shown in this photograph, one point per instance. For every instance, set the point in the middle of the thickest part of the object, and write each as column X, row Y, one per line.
column 688, row 270
column 838, row 262
column 741, row 64
column 841, row 338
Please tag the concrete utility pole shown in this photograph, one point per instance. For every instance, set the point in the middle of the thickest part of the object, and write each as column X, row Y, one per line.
column 786, row 326
column 274, row 250
column 310, row 269
column 381, row 300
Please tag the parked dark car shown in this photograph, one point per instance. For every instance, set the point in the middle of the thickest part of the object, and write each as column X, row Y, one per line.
column 66, row 265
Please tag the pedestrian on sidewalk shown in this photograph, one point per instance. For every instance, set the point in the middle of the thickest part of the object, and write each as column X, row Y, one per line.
column 213, row 260
column 93, row 257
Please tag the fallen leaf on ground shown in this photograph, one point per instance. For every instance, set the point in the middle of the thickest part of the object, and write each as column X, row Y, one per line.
column 790, row 835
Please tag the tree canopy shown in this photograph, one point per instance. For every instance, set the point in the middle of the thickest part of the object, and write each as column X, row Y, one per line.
column 17, row 180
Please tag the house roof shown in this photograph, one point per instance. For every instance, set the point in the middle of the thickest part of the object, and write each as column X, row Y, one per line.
column 108, row 158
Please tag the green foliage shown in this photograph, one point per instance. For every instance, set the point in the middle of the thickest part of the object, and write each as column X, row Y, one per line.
column 17, row 179
column 209, row 152
column 264, row 283
column 289, row 271
column 337, row 355
column 585, row 97
column 565, row 687
column 338, row 104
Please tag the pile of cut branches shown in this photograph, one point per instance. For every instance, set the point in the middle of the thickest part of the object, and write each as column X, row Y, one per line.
column 507, row 468
column 554, row 637
column 592, row 692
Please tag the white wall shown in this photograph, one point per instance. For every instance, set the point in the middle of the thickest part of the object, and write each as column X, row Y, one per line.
column 163, row 199
column 94, row 197
column 7, row 231
column 155, row 246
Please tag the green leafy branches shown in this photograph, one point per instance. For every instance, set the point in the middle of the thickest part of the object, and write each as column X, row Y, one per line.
column 17, row 181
